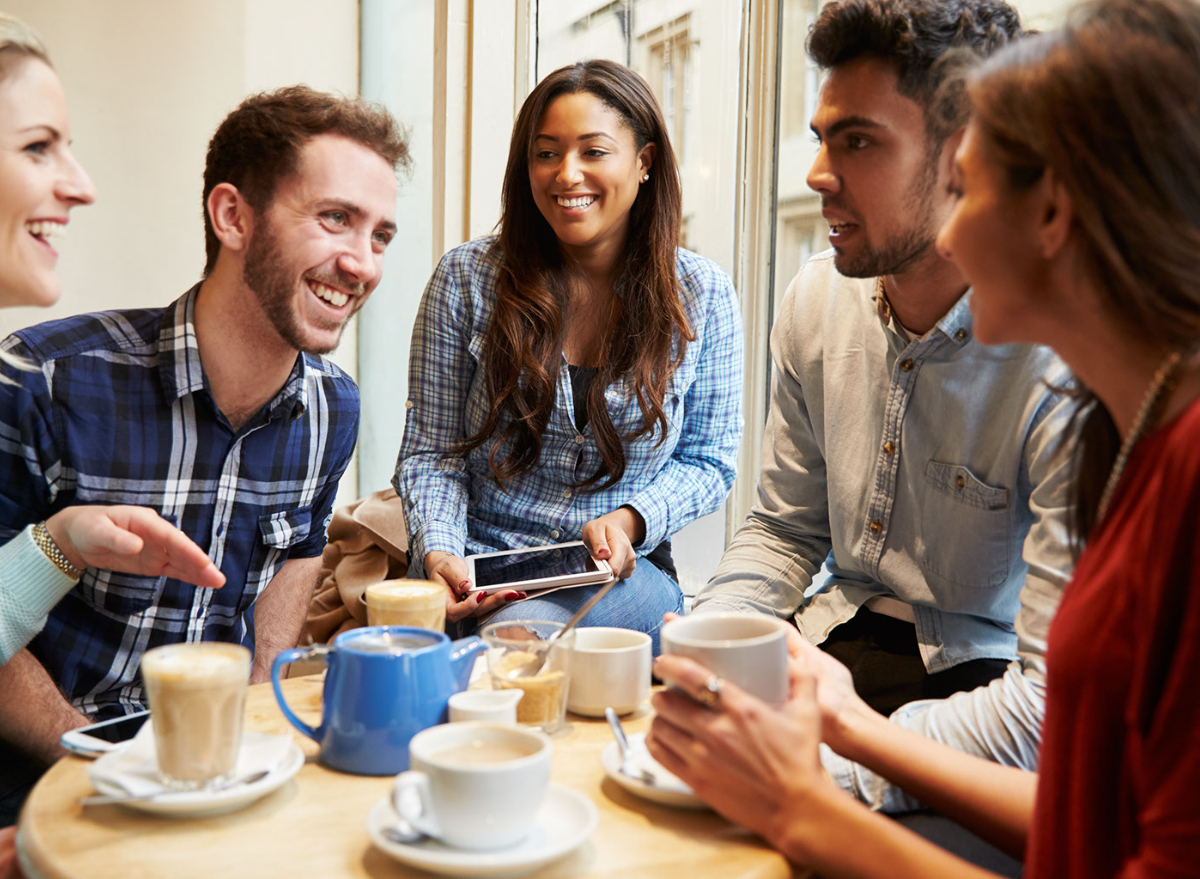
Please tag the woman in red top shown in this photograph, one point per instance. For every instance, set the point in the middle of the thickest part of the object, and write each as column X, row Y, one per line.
column 1078, row 226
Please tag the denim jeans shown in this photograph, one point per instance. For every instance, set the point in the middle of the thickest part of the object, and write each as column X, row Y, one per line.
column 637, row 602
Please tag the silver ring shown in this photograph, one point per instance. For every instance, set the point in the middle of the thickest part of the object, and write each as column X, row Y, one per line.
column 710, row 691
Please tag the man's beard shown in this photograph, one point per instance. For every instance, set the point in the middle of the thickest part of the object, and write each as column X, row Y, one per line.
column 267, row 274
column 901, row 251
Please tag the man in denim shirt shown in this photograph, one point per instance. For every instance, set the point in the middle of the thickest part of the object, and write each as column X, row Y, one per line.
column 917, row 466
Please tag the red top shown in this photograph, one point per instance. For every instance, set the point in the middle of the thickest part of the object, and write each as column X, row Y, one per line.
column 1119, row 774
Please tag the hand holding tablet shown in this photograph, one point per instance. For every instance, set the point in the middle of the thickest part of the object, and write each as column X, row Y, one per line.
column 537, row 568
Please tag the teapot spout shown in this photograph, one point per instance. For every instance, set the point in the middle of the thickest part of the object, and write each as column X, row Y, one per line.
column 462, row 659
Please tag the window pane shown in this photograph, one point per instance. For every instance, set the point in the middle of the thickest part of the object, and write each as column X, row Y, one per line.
column 800, row 230
column 688, row 51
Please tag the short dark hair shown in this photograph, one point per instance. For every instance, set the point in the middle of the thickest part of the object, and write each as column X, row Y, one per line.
column 914, row 35
column 259, row 143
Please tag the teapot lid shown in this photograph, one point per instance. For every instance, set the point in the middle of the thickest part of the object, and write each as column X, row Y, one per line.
column 388, row 639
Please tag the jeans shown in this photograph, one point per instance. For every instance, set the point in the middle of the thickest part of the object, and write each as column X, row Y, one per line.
column 637, row 602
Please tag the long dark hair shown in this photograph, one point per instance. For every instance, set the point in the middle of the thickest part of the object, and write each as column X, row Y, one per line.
column 523, row 343
column 1109, row 102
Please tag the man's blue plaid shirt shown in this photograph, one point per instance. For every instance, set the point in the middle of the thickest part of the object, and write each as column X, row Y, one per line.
column 118, row 411
column 450, row 500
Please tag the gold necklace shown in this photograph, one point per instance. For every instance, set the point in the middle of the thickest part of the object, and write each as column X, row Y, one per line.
column 1157, row 392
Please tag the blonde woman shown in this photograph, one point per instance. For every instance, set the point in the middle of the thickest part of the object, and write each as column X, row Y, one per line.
column 40, row 183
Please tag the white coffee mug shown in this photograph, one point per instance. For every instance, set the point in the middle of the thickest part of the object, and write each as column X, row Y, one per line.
column 474, row 785
column 488, row 706
column 748, row 649
column 611, row 669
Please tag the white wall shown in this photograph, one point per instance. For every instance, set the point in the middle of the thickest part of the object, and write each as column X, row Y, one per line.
column 147, row 82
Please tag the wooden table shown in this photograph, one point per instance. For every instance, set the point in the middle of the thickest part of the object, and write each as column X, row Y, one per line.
column 315, row 824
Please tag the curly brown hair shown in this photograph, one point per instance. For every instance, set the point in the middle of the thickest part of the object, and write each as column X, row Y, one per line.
column 259, row 143
column 524, row 339
column 915, row 35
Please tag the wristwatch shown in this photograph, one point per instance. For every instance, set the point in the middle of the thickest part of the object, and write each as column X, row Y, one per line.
column 47, row 545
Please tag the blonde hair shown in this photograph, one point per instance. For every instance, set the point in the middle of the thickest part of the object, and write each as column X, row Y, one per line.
column 18, row 42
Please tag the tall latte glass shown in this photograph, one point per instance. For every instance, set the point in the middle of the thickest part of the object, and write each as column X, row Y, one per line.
column 417, row 603
column 197, row 695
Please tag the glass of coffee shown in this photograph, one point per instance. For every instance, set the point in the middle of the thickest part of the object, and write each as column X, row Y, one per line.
column 197, row 694
column 522, row 656
column 419, row 603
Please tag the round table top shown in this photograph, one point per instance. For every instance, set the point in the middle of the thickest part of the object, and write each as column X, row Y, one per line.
column 315, row 824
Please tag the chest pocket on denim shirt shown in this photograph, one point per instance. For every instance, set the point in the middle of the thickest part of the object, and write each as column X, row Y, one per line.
column 965, row 523
column 279, row 532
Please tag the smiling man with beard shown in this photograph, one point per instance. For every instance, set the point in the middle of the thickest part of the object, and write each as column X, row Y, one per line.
column 217, row 411
column 911, row 504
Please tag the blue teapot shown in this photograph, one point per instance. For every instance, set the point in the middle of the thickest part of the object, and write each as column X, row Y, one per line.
column 384, row 685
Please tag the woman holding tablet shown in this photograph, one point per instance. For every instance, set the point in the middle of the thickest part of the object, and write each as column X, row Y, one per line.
column 1078, row 226
column 40, row 183
column 577, row 377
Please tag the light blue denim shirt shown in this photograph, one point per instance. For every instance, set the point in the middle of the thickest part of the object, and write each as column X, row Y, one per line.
column 927, row 470
column 450, row 499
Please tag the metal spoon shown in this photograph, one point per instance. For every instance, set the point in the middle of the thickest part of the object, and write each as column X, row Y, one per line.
column 628, row 767
column 533, row 666
column 402, row 833
column 104, row 800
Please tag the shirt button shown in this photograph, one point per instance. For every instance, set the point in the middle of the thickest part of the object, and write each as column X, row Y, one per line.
column 876, row 527
column 889, row 449
column 566, row 494
column 579, row 440
column 960, row 481
column 554, row 534
column 960, row 335
column 907, row 366
column 408, row 404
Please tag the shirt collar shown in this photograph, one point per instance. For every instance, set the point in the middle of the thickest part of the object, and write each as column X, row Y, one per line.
column 182, row 373
column 956, row 324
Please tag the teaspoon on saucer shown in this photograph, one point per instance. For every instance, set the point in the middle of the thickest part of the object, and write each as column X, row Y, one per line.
column 628, row 767
column 402, row 833
column 104, row 800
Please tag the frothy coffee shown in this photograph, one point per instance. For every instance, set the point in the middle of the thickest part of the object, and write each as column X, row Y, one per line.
column 417, row 603
column 482, row 751
column 197, row 694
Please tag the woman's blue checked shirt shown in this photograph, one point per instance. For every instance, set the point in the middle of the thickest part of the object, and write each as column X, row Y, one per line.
column 452, row 502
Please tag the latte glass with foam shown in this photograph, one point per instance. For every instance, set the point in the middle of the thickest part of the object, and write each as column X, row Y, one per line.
column 197, row 694
column 419, row 603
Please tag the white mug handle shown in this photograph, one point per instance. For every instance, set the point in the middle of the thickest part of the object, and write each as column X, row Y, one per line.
column 419, row 783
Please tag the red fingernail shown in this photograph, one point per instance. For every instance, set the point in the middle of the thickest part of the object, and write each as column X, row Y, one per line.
column 464, row 585
column 479, row 596
column 511, row 595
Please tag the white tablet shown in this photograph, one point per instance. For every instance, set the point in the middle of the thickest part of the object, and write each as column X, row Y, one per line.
column 535, row 568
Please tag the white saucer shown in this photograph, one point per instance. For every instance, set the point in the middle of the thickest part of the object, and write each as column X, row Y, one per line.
column 193, row 804
column 563, row 823
column 667, row 789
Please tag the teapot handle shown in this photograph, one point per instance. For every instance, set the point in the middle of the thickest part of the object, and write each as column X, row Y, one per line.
column 284, row 658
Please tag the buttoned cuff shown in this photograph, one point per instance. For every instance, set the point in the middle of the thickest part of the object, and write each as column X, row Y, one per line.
column 435, row 537
column 840, row 770
column 653, row 509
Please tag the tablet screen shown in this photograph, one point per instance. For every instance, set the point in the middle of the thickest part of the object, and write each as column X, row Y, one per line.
column 533, row 564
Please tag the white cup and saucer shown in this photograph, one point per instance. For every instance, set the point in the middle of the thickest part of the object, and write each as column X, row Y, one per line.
column 481, row 793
